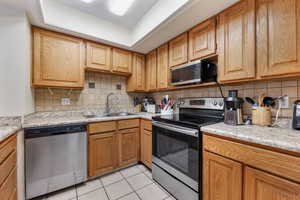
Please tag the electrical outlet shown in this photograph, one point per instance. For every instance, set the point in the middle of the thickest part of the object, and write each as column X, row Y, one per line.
column 285, row 102
column 119, row 87
column 65, row 101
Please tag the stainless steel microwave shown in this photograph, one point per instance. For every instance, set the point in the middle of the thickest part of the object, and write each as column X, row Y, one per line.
column 189, row 73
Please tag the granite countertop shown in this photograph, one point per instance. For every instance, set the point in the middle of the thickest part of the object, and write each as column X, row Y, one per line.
column 49, row 119
column 283, row 138
column 6, row 131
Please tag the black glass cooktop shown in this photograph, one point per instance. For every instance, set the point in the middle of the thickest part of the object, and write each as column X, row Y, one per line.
column 190, row 119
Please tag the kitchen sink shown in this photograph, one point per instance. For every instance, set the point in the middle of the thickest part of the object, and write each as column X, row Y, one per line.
column 119, row 114
column 91, row 115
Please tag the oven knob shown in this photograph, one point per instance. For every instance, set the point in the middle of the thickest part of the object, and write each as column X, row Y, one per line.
column 221, row 103
column 215, row 103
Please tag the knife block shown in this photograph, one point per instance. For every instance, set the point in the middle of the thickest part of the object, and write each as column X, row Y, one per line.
column 262, row 116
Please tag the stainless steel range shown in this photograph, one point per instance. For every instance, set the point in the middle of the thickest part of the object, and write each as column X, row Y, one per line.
column 177, row 146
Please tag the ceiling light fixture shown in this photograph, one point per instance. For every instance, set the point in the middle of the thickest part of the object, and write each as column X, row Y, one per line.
column 119, row 7
column 88, row 1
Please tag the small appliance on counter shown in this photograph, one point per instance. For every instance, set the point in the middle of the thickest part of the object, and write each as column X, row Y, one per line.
column 296, row 115
column 233, row 109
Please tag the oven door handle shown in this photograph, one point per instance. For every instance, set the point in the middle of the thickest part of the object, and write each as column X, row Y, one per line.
column 186, row 131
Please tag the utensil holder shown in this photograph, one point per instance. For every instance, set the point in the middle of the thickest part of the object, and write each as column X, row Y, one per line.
column 138, row 108
column 262, row 116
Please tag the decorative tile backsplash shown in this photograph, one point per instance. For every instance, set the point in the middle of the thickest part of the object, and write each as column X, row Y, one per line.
column 95, row 98
column 88, row 98
column 253, row 89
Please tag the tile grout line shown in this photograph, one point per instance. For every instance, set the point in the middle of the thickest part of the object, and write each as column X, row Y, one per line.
column 134, row 191
column 105, row 190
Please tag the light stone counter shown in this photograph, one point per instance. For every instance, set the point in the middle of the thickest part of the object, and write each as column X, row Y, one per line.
column 9, row 126
column 283, row 138
column 52, row 119
column 6, row 131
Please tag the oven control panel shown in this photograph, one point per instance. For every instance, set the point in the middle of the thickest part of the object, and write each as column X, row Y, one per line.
column 202, row 103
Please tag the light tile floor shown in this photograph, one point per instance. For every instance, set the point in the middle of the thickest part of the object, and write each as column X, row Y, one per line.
column 132, row 183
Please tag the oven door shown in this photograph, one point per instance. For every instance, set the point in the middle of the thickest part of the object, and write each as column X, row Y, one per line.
column 176, row 150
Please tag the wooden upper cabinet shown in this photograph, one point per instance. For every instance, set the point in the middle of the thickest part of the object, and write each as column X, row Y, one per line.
column 163, row 70
column 151, row 70
column 262, row 186
column 278, row 38
column 58, row 60
column 122, row 61
column 222, row 178
column 178, row 50
column 98, row 57
column 202, row 40
column 128, row 146
column 236, row 42
column 137, row 81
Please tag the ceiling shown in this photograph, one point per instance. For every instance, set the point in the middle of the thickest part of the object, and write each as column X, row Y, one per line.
column 99, row 9
column 147, row 25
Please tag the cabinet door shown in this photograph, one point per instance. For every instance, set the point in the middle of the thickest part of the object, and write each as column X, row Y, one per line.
column 263, row 186
column 122, row 61
column 278, row 38
column 102, row 153
column 178, row 50
column 146, row 148
column 151, row 71
column 236, row 42
column 98, row 57
column 222, row 178
column 163, row 71
column 128, row 146
column 202, row 40
column 58, row 60
column 137, row 81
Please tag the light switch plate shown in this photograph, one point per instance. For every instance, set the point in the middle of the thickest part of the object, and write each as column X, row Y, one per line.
column 65, row 101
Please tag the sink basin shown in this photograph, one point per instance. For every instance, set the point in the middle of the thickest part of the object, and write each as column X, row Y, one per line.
column 119, row 114
column 92, row 115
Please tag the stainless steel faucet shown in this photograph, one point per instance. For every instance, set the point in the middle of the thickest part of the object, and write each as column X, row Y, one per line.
column 107, row 108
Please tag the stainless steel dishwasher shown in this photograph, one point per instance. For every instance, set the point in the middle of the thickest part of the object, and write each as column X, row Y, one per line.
column 55, row 158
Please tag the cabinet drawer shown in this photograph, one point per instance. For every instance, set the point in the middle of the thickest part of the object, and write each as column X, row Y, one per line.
column 7, row 147
column 130, row 123
column 7, row 166
column 147, row 124
column 277, row 163
column 131, row 130
column 9, row 185
column 102, row 127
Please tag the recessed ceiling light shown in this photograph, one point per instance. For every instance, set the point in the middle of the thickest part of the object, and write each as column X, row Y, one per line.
column 88, row 1
column 119, row 7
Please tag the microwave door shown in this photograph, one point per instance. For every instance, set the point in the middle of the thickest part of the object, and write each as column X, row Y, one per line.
column 186, row 74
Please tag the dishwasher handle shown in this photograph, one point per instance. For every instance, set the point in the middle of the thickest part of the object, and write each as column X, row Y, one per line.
column 54, row 130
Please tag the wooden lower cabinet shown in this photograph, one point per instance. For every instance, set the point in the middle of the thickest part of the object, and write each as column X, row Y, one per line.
column 128, row 146
column 222, row 178
column 236, row 171
column 263, row 186
column 113, row 144
column 102, row 153
column 146, row 143
column 8, row 169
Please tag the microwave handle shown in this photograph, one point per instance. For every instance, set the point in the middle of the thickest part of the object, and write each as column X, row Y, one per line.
column 186, row 131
